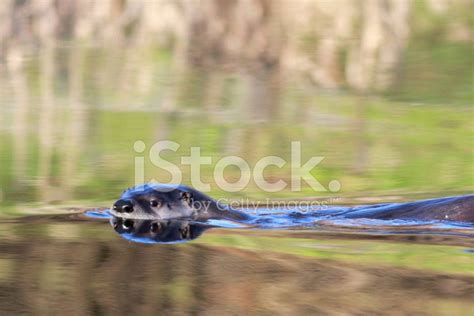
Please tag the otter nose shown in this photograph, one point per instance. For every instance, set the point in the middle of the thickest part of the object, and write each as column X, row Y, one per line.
column 123, row 206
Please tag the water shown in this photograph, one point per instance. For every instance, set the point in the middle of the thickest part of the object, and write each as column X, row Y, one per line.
column 71, row 114
column 183, row 229
column 71, row 263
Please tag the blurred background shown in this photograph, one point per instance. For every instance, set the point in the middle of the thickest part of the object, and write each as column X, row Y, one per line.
column 382, row 89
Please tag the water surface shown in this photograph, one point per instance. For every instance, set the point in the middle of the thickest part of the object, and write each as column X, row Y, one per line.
column 72, row 263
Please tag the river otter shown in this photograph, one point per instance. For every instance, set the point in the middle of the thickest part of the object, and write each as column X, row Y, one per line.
column 163, row 202
column 159, row 201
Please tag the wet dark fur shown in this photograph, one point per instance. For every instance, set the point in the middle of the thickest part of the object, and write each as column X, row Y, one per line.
column 185, row 202
column 174, row 202
column 457, row 208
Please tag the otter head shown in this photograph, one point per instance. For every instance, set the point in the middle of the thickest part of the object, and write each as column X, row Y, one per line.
column 157, row 231
column 158, row 201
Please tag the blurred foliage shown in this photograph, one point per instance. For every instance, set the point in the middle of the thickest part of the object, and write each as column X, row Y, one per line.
column 438, row 64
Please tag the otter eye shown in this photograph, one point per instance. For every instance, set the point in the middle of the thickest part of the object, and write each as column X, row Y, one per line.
column 155, row 203
column 187, row 197
column 155, row 227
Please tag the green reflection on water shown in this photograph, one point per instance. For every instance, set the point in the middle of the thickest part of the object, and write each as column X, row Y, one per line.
column 408, row 149
column 80, row 123
column 440, row 258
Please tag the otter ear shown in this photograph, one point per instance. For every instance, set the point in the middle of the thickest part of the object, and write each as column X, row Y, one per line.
column 187, row 197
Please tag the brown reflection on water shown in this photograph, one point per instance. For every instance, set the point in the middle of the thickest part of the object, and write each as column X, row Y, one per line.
column 81, row 267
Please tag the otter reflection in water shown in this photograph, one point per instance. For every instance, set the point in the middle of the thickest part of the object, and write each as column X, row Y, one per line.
column 157, row 231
